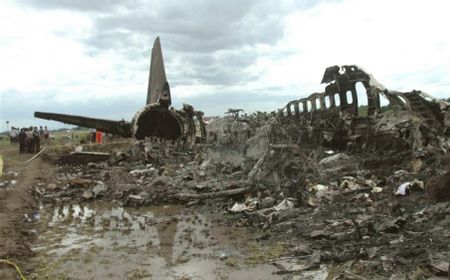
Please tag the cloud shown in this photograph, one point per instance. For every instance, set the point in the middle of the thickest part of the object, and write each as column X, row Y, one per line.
column 19, row 111
column 208, row 42
column 72, row 56
column 391, row 40
column 82, row 5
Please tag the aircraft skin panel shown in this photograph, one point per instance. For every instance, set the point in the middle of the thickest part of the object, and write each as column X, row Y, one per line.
column 121, row 128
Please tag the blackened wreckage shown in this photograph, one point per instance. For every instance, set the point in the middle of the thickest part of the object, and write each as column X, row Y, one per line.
column 334, row 118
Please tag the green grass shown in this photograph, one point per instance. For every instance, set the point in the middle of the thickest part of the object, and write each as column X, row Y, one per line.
column 70, row 134
column 60, row 136
column 4, row 142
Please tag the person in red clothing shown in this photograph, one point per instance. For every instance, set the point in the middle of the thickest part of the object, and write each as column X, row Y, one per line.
column 98, row 137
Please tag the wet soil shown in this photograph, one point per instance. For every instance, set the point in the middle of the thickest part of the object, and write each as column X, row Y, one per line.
column 16, row 207
column 100, row 240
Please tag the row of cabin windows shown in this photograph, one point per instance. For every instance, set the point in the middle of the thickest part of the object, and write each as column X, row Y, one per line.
column 361, row 95
column 360, row 90
column 309, row 104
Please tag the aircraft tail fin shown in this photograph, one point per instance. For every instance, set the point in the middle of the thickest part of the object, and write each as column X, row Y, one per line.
column 158, row 90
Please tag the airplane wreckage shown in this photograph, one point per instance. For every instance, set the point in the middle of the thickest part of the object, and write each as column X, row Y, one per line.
column 366, row 207
column 333, row 118
column 156, row 119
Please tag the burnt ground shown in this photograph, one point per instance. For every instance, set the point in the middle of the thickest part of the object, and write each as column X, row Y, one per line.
column 299, row 215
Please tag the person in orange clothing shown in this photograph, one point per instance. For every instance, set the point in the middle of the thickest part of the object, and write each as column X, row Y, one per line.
column 98, row 137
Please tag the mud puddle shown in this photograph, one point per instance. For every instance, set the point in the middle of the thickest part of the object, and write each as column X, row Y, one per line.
column 104, row 241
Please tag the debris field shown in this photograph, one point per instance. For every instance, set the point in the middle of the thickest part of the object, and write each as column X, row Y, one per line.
column 336, row 190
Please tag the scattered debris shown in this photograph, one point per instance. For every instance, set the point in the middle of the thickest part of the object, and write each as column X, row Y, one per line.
column 366, row 189
column 250, row 204
column 438, row 187
column 406, row 187
column 77, row 158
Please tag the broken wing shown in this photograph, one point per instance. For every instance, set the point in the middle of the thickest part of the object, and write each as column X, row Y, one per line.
column 121, row 128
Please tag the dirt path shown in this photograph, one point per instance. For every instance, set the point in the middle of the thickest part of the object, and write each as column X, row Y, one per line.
column 15, row 202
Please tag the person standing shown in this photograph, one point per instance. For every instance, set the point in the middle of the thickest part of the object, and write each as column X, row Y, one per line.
column 98, row 137
column 30, row 140
column 13, row 135
column 36, row 140
column 92, row 136
column 41, row 131
column 46, row 133
column 22, row 141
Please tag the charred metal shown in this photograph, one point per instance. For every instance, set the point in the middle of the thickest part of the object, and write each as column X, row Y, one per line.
column 157, row 119
column 335, row 118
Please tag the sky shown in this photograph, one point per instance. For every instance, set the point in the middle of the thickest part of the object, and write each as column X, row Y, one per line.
column 92, row 58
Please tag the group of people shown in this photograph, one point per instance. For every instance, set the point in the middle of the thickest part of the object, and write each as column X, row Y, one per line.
column 96, row 136
column 29, row 139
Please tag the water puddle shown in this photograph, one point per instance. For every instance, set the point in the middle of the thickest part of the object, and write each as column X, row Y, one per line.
column 103, row 241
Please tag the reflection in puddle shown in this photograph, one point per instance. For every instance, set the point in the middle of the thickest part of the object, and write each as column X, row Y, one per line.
column 102, row 241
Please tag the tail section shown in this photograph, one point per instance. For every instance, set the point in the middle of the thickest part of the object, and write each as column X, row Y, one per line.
column 158, row 88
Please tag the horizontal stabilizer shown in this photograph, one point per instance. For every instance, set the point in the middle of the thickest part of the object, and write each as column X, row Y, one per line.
column 121, row 128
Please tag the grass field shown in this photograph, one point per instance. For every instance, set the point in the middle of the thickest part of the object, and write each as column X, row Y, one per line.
column 62, row 138
column 63, row 141
column 59, row 135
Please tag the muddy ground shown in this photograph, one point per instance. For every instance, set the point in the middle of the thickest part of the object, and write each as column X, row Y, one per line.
column 16, row 202
column 225, row 210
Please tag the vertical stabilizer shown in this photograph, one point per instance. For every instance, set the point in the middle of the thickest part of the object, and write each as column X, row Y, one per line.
column 158, row 88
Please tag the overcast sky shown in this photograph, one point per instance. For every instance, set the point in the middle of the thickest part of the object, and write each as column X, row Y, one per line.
column 92, row 58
